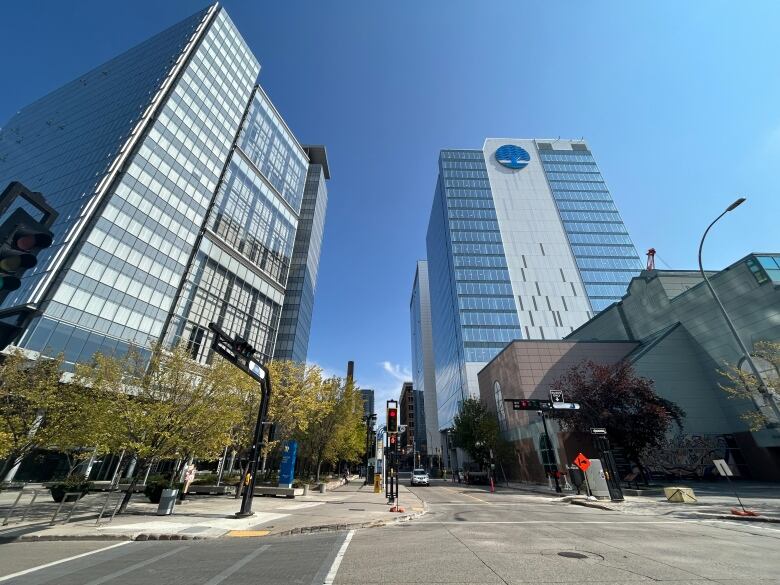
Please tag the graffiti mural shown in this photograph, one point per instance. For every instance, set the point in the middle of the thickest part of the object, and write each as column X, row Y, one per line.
column 686, row 456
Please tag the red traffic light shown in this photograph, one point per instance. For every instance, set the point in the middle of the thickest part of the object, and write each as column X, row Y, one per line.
column 392, row 420
column 26, row 239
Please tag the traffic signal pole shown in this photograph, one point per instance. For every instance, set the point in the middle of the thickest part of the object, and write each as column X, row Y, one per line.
column 555, row 455
column 257, row 443
column 239, row 352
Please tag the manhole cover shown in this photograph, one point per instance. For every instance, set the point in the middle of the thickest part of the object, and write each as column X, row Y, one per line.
column 585, row 556
column 572, row 555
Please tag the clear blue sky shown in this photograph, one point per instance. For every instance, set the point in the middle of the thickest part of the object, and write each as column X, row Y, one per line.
column 680, row 102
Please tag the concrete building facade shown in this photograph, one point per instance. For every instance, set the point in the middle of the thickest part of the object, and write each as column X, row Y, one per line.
column 672, row 332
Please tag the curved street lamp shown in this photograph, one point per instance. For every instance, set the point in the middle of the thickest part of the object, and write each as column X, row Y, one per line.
column 748, row 358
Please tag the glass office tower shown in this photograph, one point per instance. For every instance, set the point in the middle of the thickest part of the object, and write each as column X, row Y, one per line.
column 423, row 372
column 293, row 340
column 524, row 242
column 179, row 191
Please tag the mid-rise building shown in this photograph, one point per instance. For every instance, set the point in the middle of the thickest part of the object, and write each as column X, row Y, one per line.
column 183, row 198
column 368, row 401
column 406, row 415
column 670, row 329
column 423, row 364
column 524, row 242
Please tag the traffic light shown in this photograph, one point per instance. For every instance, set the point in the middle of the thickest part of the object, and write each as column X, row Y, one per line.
column 21, row 239
column 392, row 419
column 243, row 348
column 237, row 351
column 531, row 404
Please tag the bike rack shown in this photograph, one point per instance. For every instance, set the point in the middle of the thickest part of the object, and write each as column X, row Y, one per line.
column 105, row 505
column 34, row 493
column 62, row 502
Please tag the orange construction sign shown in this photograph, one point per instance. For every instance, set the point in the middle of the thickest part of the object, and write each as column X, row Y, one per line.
column 582, row 462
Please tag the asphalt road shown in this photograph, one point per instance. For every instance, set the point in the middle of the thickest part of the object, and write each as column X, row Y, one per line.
column 468, row 537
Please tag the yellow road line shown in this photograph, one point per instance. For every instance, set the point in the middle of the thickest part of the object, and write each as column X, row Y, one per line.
column 247, row 533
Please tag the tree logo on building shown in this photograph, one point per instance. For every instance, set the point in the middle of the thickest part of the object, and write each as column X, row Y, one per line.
column 513, row 157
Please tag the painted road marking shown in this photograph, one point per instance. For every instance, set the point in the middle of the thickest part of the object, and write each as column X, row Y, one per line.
column 465, row 494
column 53, row 563
column 109, row 578
column 553, row 522
column 334, row 568
column 216, row 580
column 298, row 506
column 247, row 533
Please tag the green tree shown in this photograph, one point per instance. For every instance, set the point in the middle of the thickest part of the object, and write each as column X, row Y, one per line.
column 349, row 435
column 164, row 405
column 741, row 384
column 476, row 430
column 612, row 396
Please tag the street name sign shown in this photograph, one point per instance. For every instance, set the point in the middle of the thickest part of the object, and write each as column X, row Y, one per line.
column 598, row 431
column 565, row 405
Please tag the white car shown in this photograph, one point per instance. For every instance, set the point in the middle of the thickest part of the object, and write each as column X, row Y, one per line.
column 420, row 477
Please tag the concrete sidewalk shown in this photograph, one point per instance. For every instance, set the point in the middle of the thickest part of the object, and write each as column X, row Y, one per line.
column 199, row 517
column 715, row 502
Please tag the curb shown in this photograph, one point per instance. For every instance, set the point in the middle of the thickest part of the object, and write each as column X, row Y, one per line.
column 144, row 536
column 353, row 525
column 589, row 504
column 147, row 536
column 765, row 519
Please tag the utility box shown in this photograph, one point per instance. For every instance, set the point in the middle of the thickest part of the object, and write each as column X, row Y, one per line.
column 597, row 481
column 167, row 502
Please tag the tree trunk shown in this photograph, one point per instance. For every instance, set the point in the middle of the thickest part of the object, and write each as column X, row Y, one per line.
column 11, row 466
column 319, row 465
column 240, row 483
column 131, row 487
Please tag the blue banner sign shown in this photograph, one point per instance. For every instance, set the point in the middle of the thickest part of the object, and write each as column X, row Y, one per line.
column 287, row 469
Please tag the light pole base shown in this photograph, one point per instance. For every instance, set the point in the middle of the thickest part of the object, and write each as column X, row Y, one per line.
column 244, row 514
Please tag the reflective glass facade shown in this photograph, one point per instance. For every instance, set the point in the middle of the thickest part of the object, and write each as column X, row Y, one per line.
column 599, row 239
column 526, row 249
column 423, row 364
column 178, row 197
column 292, row 342
column 473, row 309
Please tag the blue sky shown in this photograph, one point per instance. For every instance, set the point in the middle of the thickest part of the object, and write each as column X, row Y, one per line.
column 680, row 102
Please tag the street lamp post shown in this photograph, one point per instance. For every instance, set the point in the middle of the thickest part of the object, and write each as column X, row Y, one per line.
column 743, row 348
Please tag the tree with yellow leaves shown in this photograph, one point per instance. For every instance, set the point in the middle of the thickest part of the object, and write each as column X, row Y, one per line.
column 164, row 405
column 742, row 384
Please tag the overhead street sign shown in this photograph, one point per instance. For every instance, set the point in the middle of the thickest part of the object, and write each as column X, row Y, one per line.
column 565, row 405
column 582, row 462
column 529, row 404
column 556, row 396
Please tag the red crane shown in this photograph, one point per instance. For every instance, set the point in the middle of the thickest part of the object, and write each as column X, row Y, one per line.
column 651, row 259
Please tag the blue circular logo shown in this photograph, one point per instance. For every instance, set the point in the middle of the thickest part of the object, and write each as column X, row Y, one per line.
column 512, row 157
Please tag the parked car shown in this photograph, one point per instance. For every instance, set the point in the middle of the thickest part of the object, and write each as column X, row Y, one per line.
column 420, row 477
